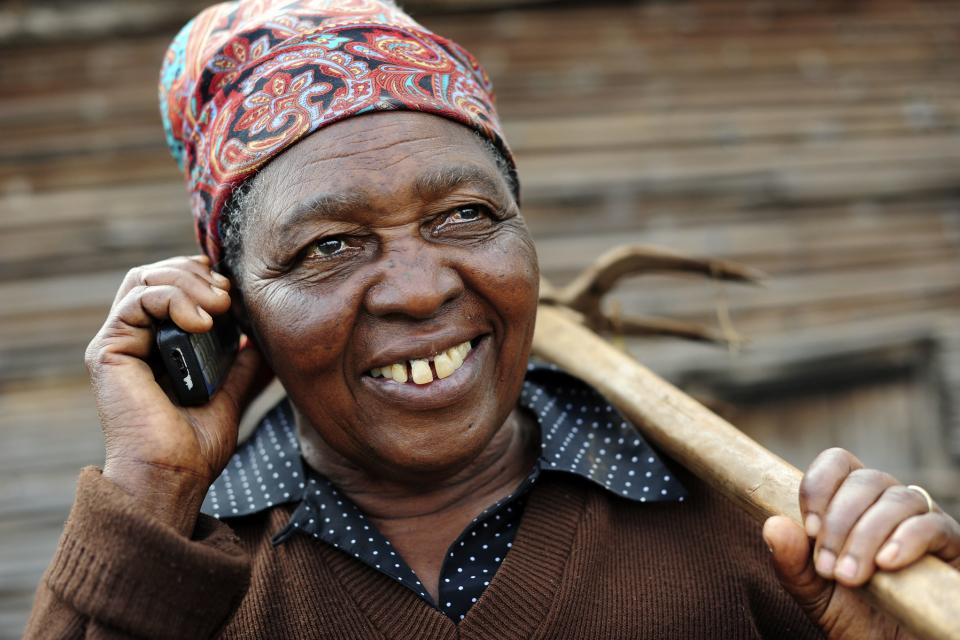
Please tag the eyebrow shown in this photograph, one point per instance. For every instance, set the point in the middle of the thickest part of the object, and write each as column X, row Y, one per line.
column 447, row 179
column 338, row 206
column 327, row 206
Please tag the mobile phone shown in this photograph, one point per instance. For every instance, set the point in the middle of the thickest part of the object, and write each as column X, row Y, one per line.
column 197, row 363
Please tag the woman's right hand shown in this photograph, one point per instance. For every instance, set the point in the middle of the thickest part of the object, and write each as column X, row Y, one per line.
column 163, row 454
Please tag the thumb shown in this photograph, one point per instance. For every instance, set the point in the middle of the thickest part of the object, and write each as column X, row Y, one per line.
column 793, row 564
column 248, row 376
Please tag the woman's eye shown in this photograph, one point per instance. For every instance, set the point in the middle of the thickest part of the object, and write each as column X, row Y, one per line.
column 465, row 214
column 327, row 247
column 462, row 215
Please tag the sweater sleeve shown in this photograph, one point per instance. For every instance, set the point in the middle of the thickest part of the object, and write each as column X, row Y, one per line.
column 775, row 613
column 745, row 557
column 119, row 573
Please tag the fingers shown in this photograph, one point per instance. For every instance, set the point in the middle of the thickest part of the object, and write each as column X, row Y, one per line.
column 143, row 305
column 167, row 272
column 820, row 482
column 855, row 560
column 856, row 494
column 864, row 519
column 933, row 532
column 182, row 289
column 185, row 295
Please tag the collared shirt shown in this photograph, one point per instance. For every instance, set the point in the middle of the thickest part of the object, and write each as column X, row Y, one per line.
column 580, row 433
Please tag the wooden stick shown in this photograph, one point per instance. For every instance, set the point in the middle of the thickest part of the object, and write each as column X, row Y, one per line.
column 924, row 597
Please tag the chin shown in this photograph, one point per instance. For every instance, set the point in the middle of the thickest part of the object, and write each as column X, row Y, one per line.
column 438, row 452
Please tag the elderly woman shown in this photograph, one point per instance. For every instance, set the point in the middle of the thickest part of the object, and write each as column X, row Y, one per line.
column 349, row 175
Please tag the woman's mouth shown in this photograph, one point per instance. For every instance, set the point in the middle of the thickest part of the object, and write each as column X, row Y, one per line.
column 425, row 370
column 420, row 384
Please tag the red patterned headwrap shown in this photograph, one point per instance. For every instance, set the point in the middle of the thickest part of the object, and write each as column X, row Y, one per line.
column 244, row 80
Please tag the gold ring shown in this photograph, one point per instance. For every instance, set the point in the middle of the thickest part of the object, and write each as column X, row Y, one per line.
column 925, row 495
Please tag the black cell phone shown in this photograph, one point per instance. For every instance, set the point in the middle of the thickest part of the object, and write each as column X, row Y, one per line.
column 197, row 363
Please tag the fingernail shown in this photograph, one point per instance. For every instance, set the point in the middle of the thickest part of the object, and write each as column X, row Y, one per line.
column 889, row 552
column 203, row 314
column 847, row 568
column 812, row 525
column 220, row 278
column 825, row 561
column 218, row 291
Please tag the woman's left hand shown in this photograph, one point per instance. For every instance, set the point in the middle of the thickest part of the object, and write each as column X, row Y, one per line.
column 860, row 520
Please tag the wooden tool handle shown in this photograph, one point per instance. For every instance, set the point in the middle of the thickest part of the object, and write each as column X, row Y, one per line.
column 924, row 597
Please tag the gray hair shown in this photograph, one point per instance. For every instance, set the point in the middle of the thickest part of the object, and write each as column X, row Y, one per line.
column 242, row 209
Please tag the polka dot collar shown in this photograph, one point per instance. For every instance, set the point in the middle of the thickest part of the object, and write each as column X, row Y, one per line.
column 581, row 433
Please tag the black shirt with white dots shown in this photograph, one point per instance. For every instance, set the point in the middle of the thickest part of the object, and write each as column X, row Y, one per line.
column 580, row 433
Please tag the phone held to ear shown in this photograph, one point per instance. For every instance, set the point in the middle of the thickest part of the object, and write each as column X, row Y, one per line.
column 197, row 363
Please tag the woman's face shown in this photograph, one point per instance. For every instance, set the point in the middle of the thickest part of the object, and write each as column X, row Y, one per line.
column 380, row 240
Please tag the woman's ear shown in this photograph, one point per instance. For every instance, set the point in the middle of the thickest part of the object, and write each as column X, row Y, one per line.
column 238, row 309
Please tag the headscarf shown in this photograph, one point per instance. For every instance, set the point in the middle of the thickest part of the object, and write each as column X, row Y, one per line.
column 245, row 80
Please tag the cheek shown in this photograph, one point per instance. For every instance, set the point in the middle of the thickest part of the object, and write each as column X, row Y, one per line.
column 302, row 330
column 511, row 276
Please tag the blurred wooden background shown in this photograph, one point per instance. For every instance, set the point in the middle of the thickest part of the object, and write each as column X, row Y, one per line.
column 817, row 141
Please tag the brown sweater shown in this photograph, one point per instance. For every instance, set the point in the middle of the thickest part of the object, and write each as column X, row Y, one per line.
column 585, row 564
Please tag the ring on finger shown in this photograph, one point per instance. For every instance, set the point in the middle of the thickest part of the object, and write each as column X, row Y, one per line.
column 923, row 492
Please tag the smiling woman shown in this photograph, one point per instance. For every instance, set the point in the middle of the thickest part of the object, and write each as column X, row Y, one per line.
column 358, row 210
column 427, row 252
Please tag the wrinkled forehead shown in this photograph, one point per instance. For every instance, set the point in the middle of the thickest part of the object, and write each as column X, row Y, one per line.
column 374, row 161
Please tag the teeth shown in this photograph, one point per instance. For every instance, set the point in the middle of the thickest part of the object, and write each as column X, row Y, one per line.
column 445, row 363
column 421, row 371
column 456, row 357
column 398, row 372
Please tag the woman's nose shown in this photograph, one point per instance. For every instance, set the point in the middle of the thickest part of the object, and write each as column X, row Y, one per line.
column 415, row 281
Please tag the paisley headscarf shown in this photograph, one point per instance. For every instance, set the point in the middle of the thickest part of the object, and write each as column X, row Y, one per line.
column 244, row 80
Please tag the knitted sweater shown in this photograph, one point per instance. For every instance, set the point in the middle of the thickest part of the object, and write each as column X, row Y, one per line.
column 584, row 565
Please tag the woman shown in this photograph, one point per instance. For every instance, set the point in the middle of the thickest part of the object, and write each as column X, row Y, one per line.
column 348, row 173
